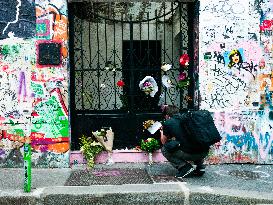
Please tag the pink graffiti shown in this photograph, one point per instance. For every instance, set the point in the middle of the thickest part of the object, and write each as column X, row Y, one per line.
column 230, row 124
column 107, row 173
column 252, row 51
column 5, row 68
column 215, row 47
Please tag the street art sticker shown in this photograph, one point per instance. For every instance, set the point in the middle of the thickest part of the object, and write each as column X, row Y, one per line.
column 43, row 29
column 230, row 80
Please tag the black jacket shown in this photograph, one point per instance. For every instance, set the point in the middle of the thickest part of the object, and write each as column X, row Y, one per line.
column 173, row 128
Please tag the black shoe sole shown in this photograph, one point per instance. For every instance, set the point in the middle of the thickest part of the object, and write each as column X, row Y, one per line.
column 186, row 174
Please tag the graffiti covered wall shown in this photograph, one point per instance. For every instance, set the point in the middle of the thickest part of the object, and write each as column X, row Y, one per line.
column 34, row 83
column 236, row 62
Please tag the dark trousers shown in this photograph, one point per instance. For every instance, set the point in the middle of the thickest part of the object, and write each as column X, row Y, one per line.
column 179, row 158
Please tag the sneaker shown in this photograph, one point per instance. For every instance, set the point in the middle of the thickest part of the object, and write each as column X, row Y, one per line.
column 185, row 171
column 199, row 171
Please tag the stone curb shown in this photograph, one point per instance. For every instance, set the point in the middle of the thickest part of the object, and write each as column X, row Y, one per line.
column 163, row 193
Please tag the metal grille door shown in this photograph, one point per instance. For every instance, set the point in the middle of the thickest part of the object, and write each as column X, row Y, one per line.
column 124, row 41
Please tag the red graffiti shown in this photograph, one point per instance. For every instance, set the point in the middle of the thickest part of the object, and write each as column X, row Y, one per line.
column 266, row 25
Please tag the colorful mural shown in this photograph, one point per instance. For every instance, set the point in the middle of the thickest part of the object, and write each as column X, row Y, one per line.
column 236, row 77
column 34, row 88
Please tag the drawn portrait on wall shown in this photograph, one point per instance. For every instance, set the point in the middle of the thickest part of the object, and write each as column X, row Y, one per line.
column 235, row 57
column 17, row 17
column 237, row 67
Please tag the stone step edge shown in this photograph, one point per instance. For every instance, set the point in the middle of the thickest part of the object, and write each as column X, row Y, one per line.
column 140, row 192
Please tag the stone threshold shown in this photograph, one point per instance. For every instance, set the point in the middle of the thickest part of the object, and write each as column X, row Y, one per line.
column 118, row 156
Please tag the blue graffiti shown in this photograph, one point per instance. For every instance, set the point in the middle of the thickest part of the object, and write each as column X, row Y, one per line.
column 243, row 140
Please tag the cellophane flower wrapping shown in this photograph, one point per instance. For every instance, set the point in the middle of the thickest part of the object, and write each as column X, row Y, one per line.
column 149, row 86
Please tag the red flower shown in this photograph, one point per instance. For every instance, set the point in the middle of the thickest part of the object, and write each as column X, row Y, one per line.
column 120, row 83
column 184, row 60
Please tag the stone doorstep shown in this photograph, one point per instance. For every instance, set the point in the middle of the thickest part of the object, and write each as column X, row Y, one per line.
column 118, row 156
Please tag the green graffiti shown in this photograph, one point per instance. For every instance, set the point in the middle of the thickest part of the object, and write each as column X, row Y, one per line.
column 19, row 132
column 5, row 50
column 51, row 120
column 37, row 90
column 15, row 49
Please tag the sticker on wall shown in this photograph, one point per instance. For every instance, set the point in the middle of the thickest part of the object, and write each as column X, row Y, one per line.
column 234, row 57
column 49, row 54
column 43, row 29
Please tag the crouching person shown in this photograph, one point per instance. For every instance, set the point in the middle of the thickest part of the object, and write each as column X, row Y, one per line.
column 178, row 148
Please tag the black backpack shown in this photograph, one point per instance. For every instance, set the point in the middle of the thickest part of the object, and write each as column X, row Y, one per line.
column 199, row 127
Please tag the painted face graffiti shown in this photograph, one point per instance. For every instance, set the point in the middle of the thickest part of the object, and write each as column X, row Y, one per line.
column 235, row 57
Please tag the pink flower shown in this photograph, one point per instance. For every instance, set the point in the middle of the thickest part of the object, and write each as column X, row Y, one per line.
column 147, row 84
column 182, row 76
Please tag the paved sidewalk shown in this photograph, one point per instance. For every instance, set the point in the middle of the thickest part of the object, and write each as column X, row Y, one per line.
column 138, row 183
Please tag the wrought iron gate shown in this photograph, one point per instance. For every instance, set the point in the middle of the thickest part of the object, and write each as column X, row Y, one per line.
column 111, row 42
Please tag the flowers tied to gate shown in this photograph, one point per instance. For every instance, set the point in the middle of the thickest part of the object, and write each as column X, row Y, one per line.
column 183, row 80
column 149, row 86
column 122, row 94
column 184, row 60
column 149, row 145
column 120, row 83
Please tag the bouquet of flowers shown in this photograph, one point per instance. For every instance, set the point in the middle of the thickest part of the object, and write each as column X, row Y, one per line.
column 106, row 137
column 147, row 124
column 149, row 86
column 90, row 149
column 149, row 145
